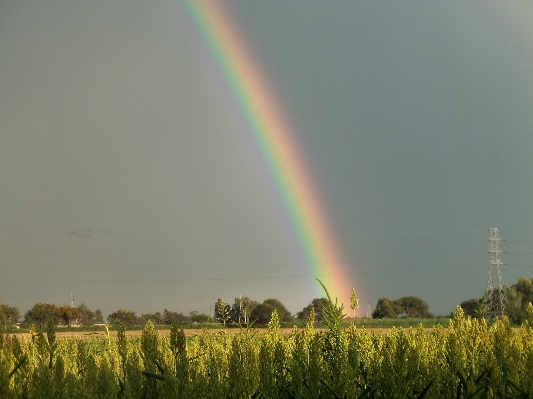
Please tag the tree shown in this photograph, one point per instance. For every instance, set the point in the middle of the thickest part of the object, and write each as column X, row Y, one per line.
column 199, row 318
column 354, row 302
column 242, row 309
column 473, row 308
column 98, row 315
column 406, row 306
column 525, row 287
column 222, row 311
column 318, row 305
column 156, row 318
column 126, row 317
column 173, row 317
column 413, row 307
column 263, row 312
column 8, row 313
column 69, row 314
column 85, row 315
column 515, row 308
column 384, row 309
column 40, row 313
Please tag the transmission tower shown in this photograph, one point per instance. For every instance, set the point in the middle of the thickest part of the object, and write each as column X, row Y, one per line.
column 242, row 313
column 71, row 300
column 495, row 298
column 368, row 311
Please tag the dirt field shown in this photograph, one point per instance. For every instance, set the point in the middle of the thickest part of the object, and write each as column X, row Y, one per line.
column 189, row 332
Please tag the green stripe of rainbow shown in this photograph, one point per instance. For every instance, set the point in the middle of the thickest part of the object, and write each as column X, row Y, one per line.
column 273, row 136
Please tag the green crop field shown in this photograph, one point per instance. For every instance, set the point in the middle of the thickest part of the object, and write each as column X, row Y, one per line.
column 469, row 358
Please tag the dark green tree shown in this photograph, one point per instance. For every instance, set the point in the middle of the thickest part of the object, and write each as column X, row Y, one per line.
column 412, row 306
column 473, row 307
column 126, row 317
column 85, row 315
column 525, row 287
column 384, row 309
column 406, row 306
column 516, row 306
column 318, row 304
column 199, row 318
column 263, row 312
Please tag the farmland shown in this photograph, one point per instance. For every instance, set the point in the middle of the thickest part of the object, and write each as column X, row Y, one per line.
column 468, row 357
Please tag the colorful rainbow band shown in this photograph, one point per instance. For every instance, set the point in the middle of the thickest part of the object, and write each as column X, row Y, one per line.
column 272, row 134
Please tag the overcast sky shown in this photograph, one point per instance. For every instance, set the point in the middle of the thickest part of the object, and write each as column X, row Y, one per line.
column 127, row 179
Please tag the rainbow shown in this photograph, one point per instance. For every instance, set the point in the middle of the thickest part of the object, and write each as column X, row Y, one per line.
column 272, row 135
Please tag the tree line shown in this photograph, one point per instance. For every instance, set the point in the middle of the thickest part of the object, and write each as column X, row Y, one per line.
column 519, row 296
column 244, row 310
column 406, row 306
column 81, row 315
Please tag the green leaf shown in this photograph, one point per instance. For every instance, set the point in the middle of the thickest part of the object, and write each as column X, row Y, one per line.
column 425, row 391
column 22, row 361
column 153, row 375
column 335, row 394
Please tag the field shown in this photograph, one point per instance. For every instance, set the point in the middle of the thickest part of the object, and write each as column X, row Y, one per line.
column 469, row 358
column 100, row 334
column 89, row 333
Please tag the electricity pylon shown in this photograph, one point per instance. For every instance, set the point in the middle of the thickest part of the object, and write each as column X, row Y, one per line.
column 495, row 298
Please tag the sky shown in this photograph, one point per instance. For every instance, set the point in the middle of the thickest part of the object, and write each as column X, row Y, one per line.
column 129, row 177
